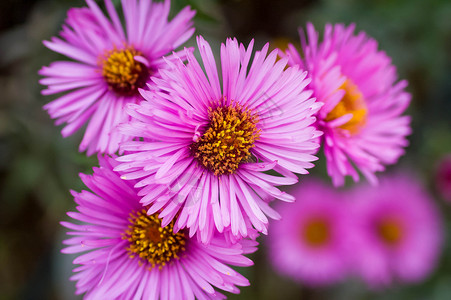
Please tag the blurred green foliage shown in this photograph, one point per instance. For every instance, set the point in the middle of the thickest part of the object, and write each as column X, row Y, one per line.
column 38, row 167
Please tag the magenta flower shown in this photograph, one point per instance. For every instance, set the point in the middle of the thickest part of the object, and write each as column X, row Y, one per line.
column 310, row 243
column 110, row 65
column 398, row 232
column 128, row 255
column 361, row 117
column 443, row 177
column 206, row 144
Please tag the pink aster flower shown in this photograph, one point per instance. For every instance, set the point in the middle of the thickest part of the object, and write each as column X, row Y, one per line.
column 363, row 102
column 126, row 254
column 443, row 177
column 207, row 143
column 399, row 231
column 310, row 243
column 109, row 64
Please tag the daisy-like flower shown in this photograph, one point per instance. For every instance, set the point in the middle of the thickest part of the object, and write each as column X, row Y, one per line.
column 110, row 65
column 399, row 231
column 363, row 102
column 126, row 254
column 206, row 144
column 310, row 243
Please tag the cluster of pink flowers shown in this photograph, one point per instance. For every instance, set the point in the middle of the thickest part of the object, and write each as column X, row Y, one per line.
column 385, row 234
column 192, row 149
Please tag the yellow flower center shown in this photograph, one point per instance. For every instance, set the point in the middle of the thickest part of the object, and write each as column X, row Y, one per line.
column 152, row 243
column 316, row 233
column 351, row 103
column 228, row 139
column 390, row 231
column 123, row 73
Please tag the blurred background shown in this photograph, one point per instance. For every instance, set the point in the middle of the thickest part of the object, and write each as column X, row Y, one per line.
column 38, row 167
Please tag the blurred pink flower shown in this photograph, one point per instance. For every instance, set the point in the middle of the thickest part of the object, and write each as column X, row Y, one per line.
column 209, row 138
column 310, row 242
column 126, row 254
column 361, row 117
column 109, row 66
column 443, row 177
column 398, row 231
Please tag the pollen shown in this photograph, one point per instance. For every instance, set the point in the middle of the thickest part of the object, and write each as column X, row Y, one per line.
column 352, row 102
column 228, row 139
column 123, row 73
column 152, row 243
column 315, row 233
column 390, row 231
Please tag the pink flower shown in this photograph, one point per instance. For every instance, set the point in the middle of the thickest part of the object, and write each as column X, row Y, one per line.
column 109, row 66
column 443, row 177
column 310, row 243
column 126, row 254
column 206, row 144
column 398, row 231
column 361, row 118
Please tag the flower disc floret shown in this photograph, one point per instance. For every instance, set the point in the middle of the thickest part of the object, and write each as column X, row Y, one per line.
column 316, row 233
column 351, row 103
column 123, row 73
column 228, row 139
column 151, row 242
column 390, row 230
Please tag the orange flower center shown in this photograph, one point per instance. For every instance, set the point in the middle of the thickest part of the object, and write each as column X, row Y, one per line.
column 390, row 231
column 316, row 232
column 123, row 73
column 152, row 243
column 351, row 103
column 228, row 139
